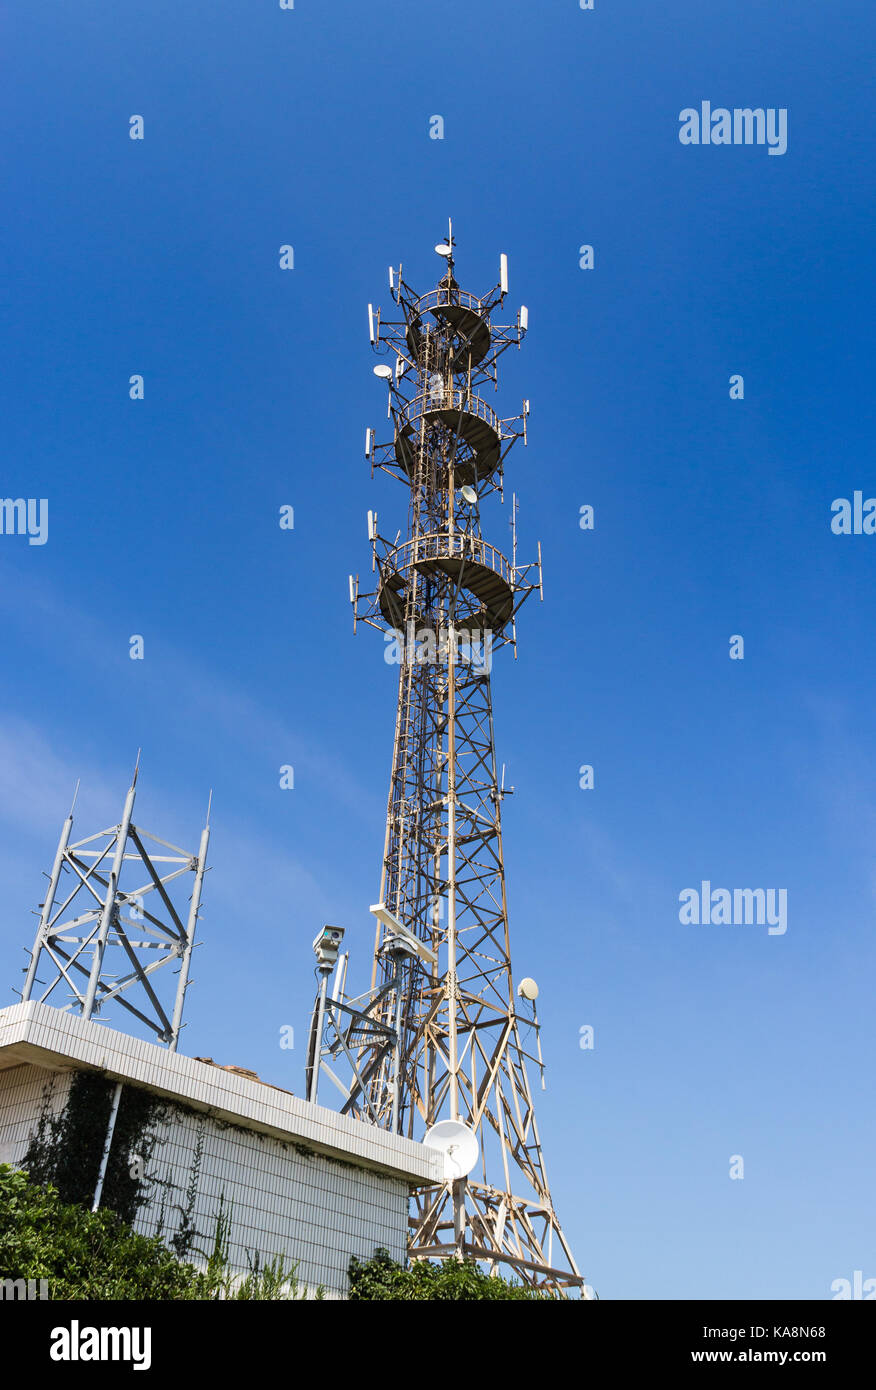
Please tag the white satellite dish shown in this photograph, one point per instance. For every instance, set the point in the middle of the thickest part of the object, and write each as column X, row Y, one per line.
column 459, row 1145
column 468, row 494
column 384, row 372
column 528, row 989
column 443, row 249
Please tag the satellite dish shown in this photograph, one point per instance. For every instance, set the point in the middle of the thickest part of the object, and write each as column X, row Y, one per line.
column 459, row 1145
column 468, row 494
column 443, row 249
column 384, row 372
column 528, row 989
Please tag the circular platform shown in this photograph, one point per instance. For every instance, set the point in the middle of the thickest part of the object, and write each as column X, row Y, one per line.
column 479, row 569
column 462, row 314
column 479, row 429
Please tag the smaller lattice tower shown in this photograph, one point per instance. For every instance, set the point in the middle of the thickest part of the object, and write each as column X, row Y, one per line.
column 116, row 910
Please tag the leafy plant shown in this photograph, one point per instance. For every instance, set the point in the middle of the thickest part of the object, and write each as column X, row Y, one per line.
column 95, row 1255
column 382, row 1277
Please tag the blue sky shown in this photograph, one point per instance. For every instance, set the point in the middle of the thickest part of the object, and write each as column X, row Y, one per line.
column 266, row 127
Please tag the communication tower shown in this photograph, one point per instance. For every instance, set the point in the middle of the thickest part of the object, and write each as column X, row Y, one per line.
column 438, row 1048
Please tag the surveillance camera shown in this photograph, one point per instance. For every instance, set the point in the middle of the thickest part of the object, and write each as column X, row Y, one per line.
column 398, row 946
column 327, row 943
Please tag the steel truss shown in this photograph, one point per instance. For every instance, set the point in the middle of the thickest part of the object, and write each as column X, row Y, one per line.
column 112, row 931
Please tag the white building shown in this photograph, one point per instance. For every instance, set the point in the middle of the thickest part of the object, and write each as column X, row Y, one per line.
column 192, row 1139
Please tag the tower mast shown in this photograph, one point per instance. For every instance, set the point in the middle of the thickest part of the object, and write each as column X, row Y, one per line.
column 446, row 599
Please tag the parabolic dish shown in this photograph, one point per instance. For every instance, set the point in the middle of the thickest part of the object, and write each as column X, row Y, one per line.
column 458, row 1143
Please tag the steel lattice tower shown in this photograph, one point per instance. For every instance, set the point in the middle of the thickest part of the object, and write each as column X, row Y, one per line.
column 441, row 1034
column 98, row 942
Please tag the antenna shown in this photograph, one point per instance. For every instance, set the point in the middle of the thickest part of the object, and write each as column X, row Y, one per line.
column 371, row 331
column 523, row 318
column 391, row 922
column 384, row 372
column 457, row 1143
column 372, row 526
column 503, row 274
column 369, row 443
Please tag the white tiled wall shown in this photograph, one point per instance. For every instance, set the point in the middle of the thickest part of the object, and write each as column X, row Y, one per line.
column 305, row 1206
column 24, row 1091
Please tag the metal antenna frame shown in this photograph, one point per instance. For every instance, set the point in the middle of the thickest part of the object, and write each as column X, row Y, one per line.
column 81, row 947
column 355, row 1032
column 460, row 1054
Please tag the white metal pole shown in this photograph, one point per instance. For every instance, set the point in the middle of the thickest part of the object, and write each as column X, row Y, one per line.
column 191, row 927
column 108, row 1143
column 317, row 1047
column 109, row 901
column 450, row 985
column 396, row 1070
column 47, row 907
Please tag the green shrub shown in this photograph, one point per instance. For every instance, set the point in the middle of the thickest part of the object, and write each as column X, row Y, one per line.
column 95, row 1255
column 382, row 1278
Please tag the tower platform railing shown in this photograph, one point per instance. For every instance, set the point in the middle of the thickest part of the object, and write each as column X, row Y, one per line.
column 448, row 545
column 444, row 398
